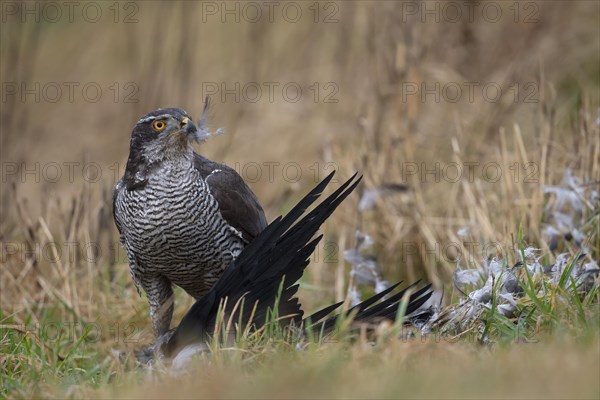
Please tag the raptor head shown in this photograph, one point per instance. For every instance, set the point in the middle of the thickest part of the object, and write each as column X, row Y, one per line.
column 163, row 133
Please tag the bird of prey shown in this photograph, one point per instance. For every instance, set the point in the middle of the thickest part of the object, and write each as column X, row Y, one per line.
column 181, row 217
column 264, row 279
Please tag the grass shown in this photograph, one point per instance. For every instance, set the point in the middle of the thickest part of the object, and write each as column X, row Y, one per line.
column 53, row 351
column 394, row 369
column 70, row 318
column 422, row 367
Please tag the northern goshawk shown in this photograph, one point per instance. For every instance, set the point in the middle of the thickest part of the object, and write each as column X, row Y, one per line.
column 181, row 217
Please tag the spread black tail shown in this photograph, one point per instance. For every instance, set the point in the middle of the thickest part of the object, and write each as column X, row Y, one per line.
column 274, row 261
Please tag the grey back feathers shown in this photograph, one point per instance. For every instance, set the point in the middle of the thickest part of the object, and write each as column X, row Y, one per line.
column 237, row 203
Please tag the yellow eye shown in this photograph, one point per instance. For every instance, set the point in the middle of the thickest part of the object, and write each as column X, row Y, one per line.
column 159, row 125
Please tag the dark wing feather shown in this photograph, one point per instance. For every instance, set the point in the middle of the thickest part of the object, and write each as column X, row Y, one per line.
column 275, row 259
column 372, row 311
column 273, row 262
column 237, row 203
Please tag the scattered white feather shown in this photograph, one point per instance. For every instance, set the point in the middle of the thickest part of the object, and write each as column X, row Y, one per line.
column 365, row 267
column 495, row 267
column 368, row 199
column 463, row 232
column 184, row 360
column 466, row 277
column 354, row 295
column 381, row 285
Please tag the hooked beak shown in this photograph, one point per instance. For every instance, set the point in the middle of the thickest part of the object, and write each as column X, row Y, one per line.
column 188, row 126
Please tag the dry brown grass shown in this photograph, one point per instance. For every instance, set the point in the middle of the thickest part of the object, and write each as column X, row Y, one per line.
column 401, row 370
column 371, row 55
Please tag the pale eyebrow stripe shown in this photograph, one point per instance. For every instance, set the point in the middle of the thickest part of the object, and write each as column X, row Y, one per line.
column 151, row 118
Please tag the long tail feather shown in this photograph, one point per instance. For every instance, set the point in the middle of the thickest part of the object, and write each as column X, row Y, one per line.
column 281, row 250
column 371, row 311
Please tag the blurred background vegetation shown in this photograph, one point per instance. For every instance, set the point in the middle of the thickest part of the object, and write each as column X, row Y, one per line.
column 377, row 94
column 357, row 65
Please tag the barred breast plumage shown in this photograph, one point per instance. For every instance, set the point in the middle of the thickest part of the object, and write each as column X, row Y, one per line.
column 176, row 229
column 183, row 218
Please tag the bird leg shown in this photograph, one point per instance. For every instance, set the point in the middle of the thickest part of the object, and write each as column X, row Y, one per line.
column 160, row 296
